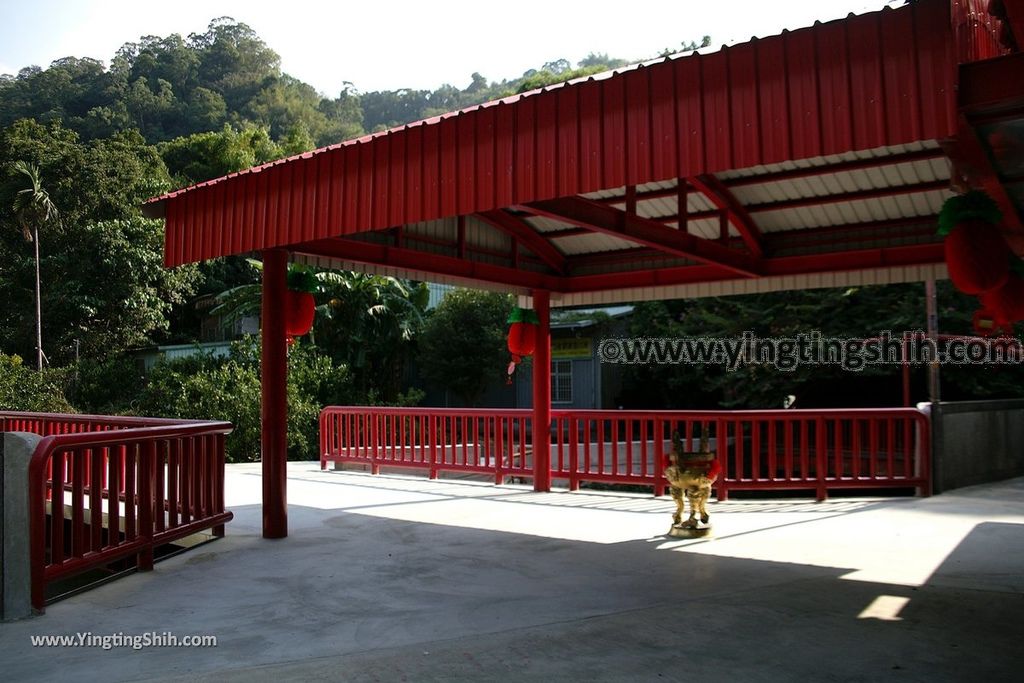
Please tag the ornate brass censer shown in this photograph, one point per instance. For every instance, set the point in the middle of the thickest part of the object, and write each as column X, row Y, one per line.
column 691, row 474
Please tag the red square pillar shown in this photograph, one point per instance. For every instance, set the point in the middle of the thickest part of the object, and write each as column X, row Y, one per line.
column 274, row 392
column 542, row 394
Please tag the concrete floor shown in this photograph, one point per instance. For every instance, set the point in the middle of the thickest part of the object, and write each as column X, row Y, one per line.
column 395, row 578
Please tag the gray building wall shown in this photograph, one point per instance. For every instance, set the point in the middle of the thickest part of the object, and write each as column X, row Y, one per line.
column 585, row 386
column 974, row 442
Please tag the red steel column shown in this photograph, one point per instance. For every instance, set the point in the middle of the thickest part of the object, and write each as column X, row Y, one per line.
column 274, row 405
column 542, row 394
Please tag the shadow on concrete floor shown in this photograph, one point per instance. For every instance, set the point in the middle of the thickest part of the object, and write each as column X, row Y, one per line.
column 355, row 596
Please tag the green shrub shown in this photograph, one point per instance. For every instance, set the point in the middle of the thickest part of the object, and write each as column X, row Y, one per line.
column 203, row 387
column 24, row 389
column 219, row 391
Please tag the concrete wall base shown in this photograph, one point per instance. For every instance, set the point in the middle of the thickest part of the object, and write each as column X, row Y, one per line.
column 16, row 585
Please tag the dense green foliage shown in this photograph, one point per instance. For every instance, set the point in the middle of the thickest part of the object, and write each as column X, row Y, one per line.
column 173, row 86
column 365, row 322
column 203, row 387
column 369, row 323
column 463, row 343
column 25, row 389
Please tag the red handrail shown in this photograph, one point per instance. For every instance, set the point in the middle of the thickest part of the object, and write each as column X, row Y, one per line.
column 160, row 479
column 476, row 440
column 816, row 449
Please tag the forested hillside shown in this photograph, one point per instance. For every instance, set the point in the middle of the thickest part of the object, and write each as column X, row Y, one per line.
column 227, row 81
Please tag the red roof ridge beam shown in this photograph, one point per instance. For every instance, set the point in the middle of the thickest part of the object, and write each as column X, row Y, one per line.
column 520, row 230
column 600, row 218
column 411, row 259
column 719, row 195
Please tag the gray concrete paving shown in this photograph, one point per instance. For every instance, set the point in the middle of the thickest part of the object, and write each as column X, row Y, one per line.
column 393, row 578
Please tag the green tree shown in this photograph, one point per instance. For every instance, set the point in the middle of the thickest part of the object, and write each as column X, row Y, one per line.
column 124, row 298
column 202, row 156
column 463, row 343
column 234, row 61
column 203, row 387
column 344, row 116
column 106, row 285
column 369, row 323
column 34, row 208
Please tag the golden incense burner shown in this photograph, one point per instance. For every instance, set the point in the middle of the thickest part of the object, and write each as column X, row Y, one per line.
column 691, row 474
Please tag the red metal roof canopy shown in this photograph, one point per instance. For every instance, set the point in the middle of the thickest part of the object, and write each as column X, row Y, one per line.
column 820, row 150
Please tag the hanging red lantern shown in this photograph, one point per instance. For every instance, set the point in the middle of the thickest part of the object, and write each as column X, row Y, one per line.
column 522, row 336
column 1006, row 302
column 300, row 307
column 977, row 256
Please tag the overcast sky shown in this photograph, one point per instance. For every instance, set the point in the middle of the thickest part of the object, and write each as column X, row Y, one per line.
column 404, row 44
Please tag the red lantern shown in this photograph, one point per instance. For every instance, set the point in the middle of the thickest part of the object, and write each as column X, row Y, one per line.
column 977, row 257
column 522, row 340
column 299, row 305
column 522, row 336
column 299, row 314
column 1007, row 302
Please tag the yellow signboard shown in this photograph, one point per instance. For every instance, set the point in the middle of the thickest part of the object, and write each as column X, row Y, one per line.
column 570, row 347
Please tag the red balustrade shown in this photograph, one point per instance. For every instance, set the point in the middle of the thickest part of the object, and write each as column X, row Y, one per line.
column 107, row 488
column 480, row 441
column 819, row 450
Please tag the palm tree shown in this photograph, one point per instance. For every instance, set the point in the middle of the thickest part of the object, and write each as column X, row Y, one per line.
column 33, row 207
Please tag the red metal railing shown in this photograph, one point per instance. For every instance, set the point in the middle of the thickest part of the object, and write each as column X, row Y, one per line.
column 46, row 424
column 120, row 490
column 481, row 441
column 819, row 450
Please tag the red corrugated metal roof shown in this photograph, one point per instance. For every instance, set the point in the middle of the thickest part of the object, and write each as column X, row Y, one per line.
column 884, row 78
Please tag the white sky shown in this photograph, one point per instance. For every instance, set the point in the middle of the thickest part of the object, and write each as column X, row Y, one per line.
column 405, row 44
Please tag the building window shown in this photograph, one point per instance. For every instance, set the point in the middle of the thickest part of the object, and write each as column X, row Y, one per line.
column 561, row 381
